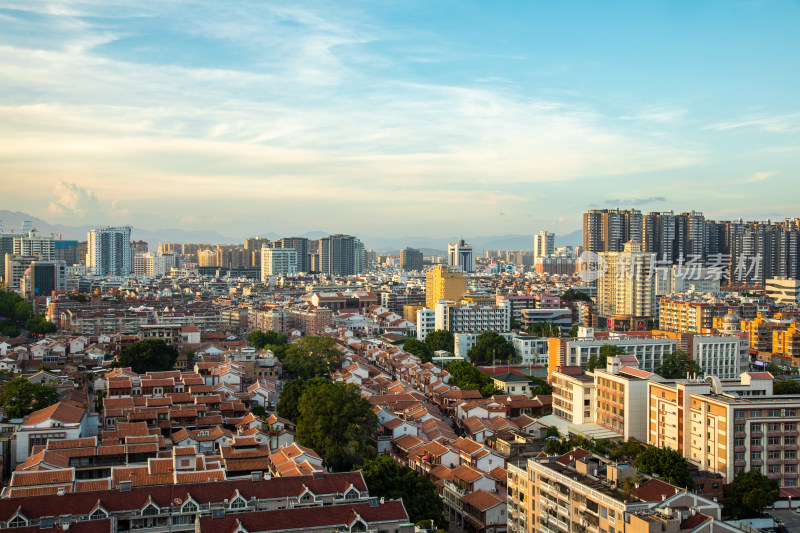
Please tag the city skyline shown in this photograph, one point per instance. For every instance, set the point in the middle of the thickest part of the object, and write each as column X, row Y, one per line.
column 415, row 118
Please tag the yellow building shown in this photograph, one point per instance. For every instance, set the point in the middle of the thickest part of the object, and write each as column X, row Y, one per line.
column 442, row 284
column 787, row 342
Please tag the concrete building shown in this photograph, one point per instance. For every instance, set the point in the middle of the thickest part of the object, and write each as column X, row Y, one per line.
column 627, row 287
column 149, row 264
column 426, row 322
column 607, row 230
column 582, row 492
column 728, row 426
column 543, row 245
column 465, row 341
column 648, row 349
column 34, row 244
column 300, row 244
column 441, row 283
column 43, row 278
column 472, row 318
column 783, row 290
column 560, row 317
column 531, row 350
column 341, row 255
column 411, row 259
column 278, row 262
column 460, row 256
column 108, row 251
column 14, row 268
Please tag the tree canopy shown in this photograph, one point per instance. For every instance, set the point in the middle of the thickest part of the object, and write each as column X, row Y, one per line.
column 676, row 365
column 571, row 295
column 336, row 422
column 312, row 356
column 441, row 339
column 786, row 386
column 39, row 325
column 149, row 355
column 13, row 306
column 386, row 479
column 748, row 494
column 289, row 400
column 543, row 329
column 8, row 328
column 599, row 360
column 20, row 397
column 261, row 339
column 667, row 463
column 465, row 376
column 418, row 348
column 491, row 346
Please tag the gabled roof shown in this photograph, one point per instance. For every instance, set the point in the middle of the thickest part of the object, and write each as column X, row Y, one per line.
column 482, row 500
column 60, row 412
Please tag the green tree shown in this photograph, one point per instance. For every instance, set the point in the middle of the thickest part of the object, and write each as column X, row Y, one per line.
column 676, row 365
column 261, row 339
column 543, row 329
column 599, row 360
column 8, row 328
column 540, row 387
column 289, row 399
column 20, row 397
column 573, row 331
column 312, row 356
column 667, row 463
column 386, row 479
column 23, row 310
column 440, row 339
column 258, row 410
column 418, row 348
column 465, row 376
column 149, row 355
column 39, row 325
column 337, row 423
column 749, row 494
column 491, row 346
column 571, row 295
column 786, row 386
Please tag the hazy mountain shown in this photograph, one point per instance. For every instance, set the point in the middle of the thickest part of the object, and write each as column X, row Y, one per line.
column 428, row 245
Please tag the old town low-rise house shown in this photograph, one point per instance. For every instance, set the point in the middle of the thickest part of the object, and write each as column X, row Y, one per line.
column 206, row 440
column 484, row 511
column 57, row 422
column 176, row 507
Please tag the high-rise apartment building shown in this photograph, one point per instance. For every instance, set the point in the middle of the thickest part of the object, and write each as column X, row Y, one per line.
column 543, row 245
column 443, row 284
column 302, row 246
column 410, row 259
column 627, row 287
column 341, row 255
column 278, row 262
column 67, row 251
column 42, row 278
column 108, row 251
column 255, row 243
column 460, row 256
column 607, row 230
column 34, row 244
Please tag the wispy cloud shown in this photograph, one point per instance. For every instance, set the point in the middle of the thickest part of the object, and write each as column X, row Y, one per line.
column 759, row 176
column 776, row 124
column 631, row 202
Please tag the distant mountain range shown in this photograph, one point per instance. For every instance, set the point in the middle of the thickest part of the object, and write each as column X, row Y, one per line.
column 428, row 245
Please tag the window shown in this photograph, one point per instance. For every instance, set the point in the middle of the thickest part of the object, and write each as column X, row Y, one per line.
column 755, row 413
column 738, row 442
column 790, row 454
column 755, row 456
column 789, row 440
column 17, row 521
column 789, row 427
column 774, row 441
column 739, row 428
column 755, row 441
column 774, row 454
column 738, row 456
column 774, row 427
column 755, row 428
column 790, row 469
column 98, row 514
column 774, row 413
column 774, row 469
column 238, row 503
column 738, row 414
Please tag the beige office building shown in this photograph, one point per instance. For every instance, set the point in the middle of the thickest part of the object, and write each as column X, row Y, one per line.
column 443, row 284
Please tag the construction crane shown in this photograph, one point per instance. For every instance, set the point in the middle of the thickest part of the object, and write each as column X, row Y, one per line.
column 59, row 235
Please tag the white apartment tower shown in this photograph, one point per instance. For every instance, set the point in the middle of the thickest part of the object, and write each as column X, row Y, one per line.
column 33, row 244
column 543, row 245
column 460, row 256
column 278, row 262
column 108, row 251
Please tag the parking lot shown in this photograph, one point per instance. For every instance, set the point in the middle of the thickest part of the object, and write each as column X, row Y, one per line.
column 791, row 518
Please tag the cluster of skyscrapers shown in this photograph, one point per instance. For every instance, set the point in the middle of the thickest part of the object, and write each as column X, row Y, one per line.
column 756, row 250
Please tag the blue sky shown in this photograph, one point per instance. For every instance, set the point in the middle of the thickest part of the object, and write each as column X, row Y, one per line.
column 396, row 118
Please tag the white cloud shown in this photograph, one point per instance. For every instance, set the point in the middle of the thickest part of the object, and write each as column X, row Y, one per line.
column 759, row 176
column 73, row 201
